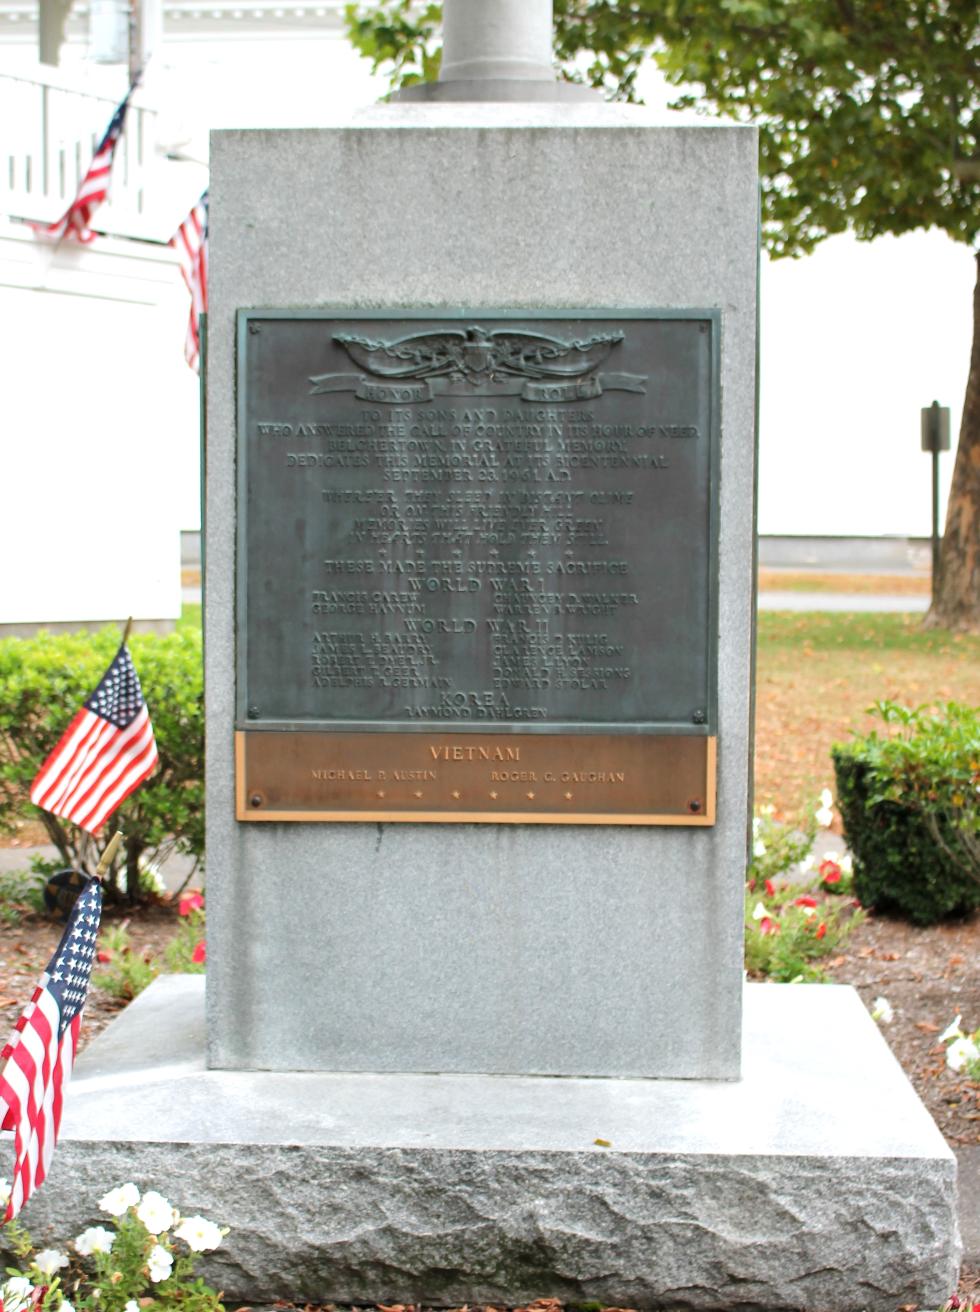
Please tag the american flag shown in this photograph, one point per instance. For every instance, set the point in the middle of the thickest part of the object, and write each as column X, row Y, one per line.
column 106, row 751
column 94, row 187
column 39, row 1057
column 191, row 244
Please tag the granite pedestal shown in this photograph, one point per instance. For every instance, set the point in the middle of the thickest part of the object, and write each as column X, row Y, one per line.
column 817, row 1181
column 534, row 949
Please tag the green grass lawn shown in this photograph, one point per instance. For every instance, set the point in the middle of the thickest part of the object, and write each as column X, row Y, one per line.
column 817, row 674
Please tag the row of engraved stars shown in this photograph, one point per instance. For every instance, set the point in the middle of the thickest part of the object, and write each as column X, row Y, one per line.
column 456, row 795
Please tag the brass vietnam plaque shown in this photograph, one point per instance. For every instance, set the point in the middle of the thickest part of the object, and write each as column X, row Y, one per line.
column 476, row 566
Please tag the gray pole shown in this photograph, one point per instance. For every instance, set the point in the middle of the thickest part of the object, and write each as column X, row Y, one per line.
column 935, row 438
column 497, row 50
column 497, row 39
column 935, row 524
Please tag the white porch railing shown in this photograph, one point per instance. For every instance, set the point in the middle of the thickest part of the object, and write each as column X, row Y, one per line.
column 49, row 133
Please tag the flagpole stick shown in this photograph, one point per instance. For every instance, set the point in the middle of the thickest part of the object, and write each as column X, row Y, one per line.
column 128, row 629
column 109, row 855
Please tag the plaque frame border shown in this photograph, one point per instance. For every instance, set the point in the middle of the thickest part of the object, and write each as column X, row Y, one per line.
column 703, row 819
column 246, row 316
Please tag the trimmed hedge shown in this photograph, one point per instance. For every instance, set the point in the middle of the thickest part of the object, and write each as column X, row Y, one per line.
column 909, row 803
column 43, row 682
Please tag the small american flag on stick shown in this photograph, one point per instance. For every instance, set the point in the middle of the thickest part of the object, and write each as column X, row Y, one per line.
column 191, row 244
column 38, row 1059
column 94, row 187
column 104, row 754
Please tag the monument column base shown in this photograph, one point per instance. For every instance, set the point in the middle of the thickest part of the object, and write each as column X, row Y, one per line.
column 818, row 1180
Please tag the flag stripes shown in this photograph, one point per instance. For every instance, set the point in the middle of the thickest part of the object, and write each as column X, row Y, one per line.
column 105, row 753
column 101, row 767
column 38, row 1059
column 94, row 187
column 191, row 244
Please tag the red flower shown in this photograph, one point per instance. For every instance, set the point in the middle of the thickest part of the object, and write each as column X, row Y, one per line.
column 103, row 955
column 200, row 953
column 805, row 901
column 767, row 926
column 830, row 872
column 770, row 890
column 192, row 901
column 821, row 929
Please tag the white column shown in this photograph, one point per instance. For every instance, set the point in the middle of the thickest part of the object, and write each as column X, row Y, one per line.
column 497, row 39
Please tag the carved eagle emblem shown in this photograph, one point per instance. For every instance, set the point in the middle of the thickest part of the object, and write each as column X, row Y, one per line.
column 476, row 355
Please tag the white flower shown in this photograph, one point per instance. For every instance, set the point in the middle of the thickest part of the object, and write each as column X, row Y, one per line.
column 118, row 1201
column 846, row 864
column 826, row 797
column 198, row 1234
column 160, row 1263
column 156, row 1213
column 756, row 825
column 65, row 1306
column 808, row 911
column 758, row 848
column 759, row 911
column 808, row 862
column 150, row 877
column 96, row 1239
column 49, row 1260
column 4, row 1191
column 16, row 1293
column 881, row 1009
column 952, row 1031
column 825, row 811
column 960, row 1052
column 132, row 1306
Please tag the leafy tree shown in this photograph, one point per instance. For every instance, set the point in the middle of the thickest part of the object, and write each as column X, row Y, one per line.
column 869, row 115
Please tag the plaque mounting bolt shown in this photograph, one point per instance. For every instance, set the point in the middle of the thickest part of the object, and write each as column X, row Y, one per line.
column 694, row 805
column 699, row 717
column 253, row 328
column 253, row 712
column 255, row 799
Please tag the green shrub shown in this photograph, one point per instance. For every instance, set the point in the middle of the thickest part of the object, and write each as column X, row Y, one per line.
column 911, row 810
column 21, row 894
column 125, row 972
column 43, row 682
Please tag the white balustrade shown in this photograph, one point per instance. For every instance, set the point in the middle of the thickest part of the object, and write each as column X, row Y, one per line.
column 49, row 135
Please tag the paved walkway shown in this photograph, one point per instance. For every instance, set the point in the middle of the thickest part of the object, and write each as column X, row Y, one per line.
column 779, row 599
column 16, row 859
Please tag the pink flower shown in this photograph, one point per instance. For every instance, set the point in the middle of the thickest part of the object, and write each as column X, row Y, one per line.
column 103, row 955
column 200, row 953
column 829, row 871
column 192, row 901
column 767, row 926
column 805, row 901
column 770, row 890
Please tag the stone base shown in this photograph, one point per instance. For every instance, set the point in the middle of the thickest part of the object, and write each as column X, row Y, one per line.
column 817, row 1181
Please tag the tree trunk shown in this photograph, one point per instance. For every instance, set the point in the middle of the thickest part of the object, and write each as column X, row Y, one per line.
column 956, row 593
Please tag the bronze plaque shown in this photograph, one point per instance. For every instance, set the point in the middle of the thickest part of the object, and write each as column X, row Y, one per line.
column 493, row 778
column 484, row 524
